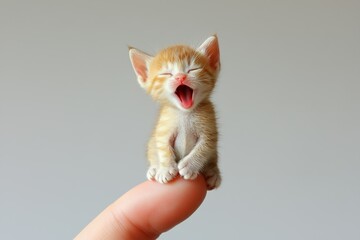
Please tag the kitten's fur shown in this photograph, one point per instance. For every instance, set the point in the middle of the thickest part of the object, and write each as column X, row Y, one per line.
column 185, row 138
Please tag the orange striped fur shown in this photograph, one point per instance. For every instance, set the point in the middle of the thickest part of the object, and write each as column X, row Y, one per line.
column 184, row 141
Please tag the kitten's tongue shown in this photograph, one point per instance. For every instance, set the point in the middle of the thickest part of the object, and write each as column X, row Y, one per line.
column 185, row 95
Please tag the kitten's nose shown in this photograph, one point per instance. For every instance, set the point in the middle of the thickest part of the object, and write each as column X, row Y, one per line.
column 181, row 77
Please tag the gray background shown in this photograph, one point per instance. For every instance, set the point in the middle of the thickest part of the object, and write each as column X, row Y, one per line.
column 74, row 122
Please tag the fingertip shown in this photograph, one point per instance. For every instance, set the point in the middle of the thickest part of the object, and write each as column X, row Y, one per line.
column 186, row 197
column 147, row 210
column 155, row 208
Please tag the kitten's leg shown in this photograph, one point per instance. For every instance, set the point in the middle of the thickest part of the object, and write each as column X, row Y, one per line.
column 212, row 174
column 191, row 165
column 152, row 158
column 167, row 169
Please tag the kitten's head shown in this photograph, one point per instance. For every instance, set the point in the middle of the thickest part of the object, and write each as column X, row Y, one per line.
column 179, row 75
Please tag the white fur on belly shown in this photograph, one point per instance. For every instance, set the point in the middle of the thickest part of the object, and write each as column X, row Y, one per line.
column 186, row 137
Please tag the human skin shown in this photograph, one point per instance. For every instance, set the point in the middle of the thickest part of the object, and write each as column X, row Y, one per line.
column 147, row 210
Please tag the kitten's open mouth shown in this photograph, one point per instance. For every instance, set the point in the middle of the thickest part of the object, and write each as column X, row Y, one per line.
column 185, row 95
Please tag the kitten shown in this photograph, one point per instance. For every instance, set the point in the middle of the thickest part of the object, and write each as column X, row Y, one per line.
column 185, row 138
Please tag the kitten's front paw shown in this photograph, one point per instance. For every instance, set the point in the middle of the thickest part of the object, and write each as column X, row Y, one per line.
column 166, row 174
column 188, row 170
column 151, row 172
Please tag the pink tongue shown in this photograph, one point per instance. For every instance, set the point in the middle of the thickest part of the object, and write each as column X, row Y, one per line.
column 185, row 96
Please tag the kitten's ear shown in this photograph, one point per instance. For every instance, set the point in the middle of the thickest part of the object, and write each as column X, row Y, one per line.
column 140, row 62
column 210, row 48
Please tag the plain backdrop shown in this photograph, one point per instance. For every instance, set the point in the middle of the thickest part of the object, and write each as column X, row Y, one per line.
column 74, row 123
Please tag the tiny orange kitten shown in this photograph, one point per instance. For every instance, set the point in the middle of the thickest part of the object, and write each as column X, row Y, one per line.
column 185, row 138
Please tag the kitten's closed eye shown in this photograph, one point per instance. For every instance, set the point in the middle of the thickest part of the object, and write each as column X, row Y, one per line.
column 193, row 69
column 165, row 74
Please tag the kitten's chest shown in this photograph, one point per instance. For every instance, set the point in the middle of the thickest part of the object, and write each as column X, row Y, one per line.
column 186, row 137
